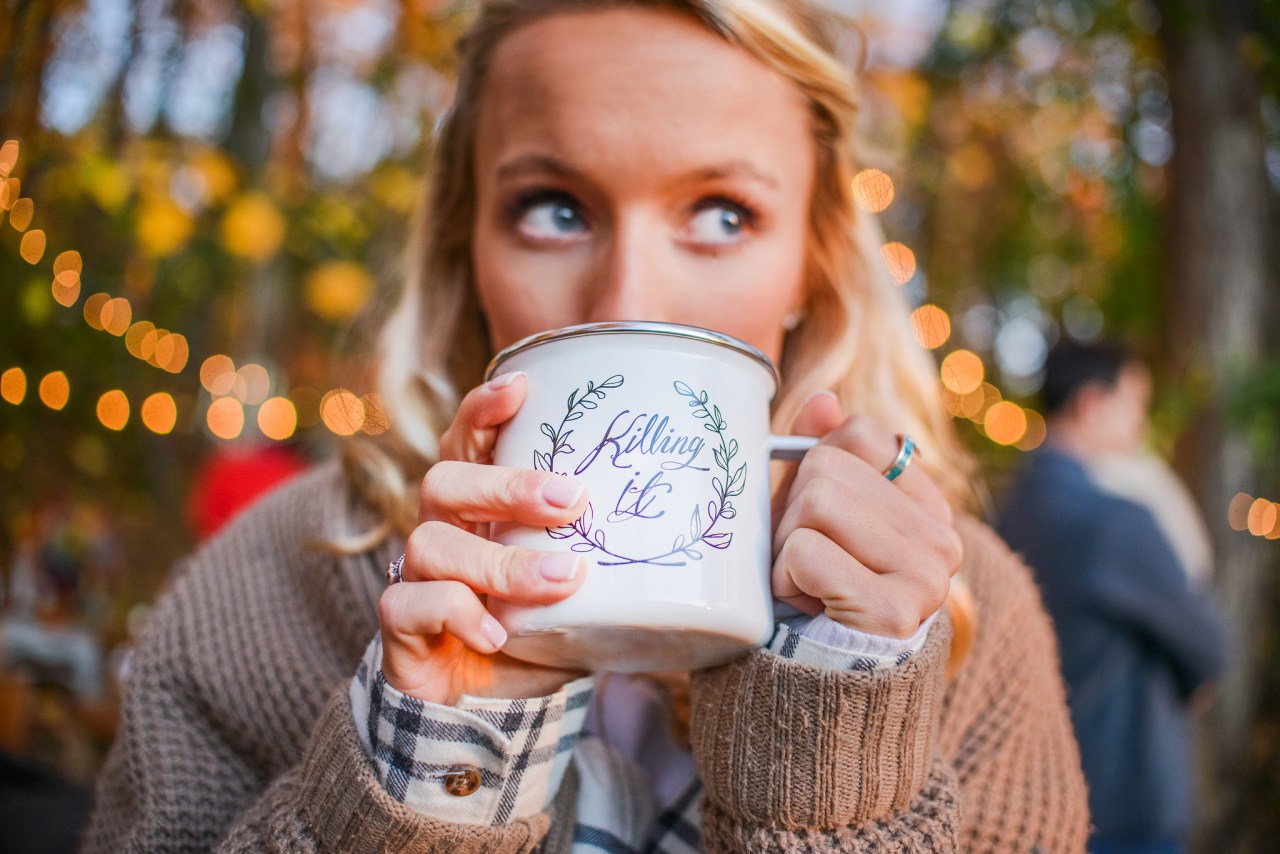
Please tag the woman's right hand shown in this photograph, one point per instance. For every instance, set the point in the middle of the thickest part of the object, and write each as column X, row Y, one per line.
column 438, row 639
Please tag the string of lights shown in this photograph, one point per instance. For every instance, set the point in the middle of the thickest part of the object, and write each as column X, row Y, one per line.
column 231, row 390
column 235, row 392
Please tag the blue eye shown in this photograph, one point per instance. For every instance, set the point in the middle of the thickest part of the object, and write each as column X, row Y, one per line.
column 549, row 217
column 719, row 222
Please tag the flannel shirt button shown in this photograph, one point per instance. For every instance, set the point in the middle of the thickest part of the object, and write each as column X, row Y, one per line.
column 461, row 780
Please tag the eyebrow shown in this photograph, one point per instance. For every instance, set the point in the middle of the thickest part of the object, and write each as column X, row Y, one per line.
column 541, row 164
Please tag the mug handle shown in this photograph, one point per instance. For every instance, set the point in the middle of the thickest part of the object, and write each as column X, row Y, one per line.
column 790, row 447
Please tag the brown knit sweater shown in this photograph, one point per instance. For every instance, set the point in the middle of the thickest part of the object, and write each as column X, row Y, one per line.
column 237, row 735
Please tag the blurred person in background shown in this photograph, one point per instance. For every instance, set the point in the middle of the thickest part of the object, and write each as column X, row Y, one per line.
column 1143, row 477
column 679, row 160
column 1138, row 642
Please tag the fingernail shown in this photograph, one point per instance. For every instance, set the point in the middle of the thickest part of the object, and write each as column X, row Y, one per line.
column 822, row 393
column 562, row 492
column 559, row 567
column 493, row 630
column 504, row 380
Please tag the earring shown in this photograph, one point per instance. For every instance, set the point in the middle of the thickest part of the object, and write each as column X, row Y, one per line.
column 792, row 319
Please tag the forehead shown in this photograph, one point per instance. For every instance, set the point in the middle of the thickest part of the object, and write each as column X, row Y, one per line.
column 637, row 89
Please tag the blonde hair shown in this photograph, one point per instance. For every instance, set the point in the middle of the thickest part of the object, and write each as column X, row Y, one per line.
column 855, row 338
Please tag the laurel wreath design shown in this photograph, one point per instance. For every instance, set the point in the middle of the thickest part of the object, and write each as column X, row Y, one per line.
column 684, row 548
column 579, row 402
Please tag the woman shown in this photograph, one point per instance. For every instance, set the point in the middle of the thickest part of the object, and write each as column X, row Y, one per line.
column 680, row 161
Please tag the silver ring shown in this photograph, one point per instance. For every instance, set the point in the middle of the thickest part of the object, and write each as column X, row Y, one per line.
column 393, row 571
column 906, row 450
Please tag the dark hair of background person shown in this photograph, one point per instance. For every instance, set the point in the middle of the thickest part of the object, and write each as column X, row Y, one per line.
column 1070, row 366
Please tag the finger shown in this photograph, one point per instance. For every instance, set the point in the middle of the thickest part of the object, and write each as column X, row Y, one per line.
column 840, row 497
column 818, row 415
column 835, row 481
column 812, row 565
column 484, row 409
column 439, row 551
column 870, row 442
column 461, row 493
column 411, row 614
column 867, row 516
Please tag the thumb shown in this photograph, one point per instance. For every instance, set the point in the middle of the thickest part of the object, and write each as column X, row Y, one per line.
column 818, row 415
column 474, row 431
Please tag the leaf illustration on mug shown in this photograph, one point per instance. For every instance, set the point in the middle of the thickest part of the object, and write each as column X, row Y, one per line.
column 579, row 400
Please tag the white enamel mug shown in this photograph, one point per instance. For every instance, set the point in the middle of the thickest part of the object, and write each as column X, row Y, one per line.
column 668, row 425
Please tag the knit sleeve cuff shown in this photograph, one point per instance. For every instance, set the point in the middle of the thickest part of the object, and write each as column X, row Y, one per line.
column 345, row 807
column 856, row 745
column 506, row 756
column 822, row 642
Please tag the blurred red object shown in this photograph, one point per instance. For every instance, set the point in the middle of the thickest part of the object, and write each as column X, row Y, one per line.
column 230, row 479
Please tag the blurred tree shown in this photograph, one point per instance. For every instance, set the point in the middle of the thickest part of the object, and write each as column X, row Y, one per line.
column 1222, row 332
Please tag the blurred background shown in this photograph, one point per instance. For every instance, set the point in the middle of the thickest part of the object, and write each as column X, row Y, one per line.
column 206, row 204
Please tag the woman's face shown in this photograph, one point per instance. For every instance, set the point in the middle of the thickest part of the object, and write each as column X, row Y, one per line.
column 630, row 165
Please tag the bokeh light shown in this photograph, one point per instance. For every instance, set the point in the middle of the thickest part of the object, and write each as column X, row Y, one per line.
column 873, row 190
column 1005, row 423
column 69, row 261
column 150, row 342
column 932, row 326
column 225, row 418
column 160, row 413
column 133, row 339
column 336, row 290
column 9, row 192
column 988, row 396
column 113, row 410
column 163, row 227
column 172, row 352
column 251, row 384
column 21, row 213
column 342, row 412
column 66, row 288
column 962, row 371
column 375, row 415
column 116, row 316
column 55, row 390
column 13, row 385
column 901, row 261
column 963, row 405
column 218, row 374
column 93, row 307
column 1263, row 515
column 253, row 228
column 32, row 247
column 1036, row 433
column 8, row 156
column 277, row 418
column 1238, row 511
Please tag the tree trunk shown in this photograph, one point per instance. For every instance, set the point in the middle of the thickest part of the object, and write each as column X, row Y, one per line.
column 1216, row 331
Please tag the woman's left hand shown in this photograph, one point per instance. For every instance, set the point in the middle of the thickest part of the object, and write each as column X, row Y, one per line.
column 873, row 554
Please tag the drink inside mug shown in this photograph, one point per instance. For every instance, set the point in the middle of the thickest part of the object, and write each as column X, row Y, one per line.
column 668, row 425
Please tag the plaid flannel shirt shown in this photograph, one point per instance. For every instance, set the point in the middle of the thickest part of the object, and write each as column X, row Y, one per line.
column 522, row 748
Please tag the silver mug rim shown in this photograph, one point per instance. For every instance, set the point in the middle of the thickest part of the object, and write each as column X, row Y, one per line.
column 644, row 327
